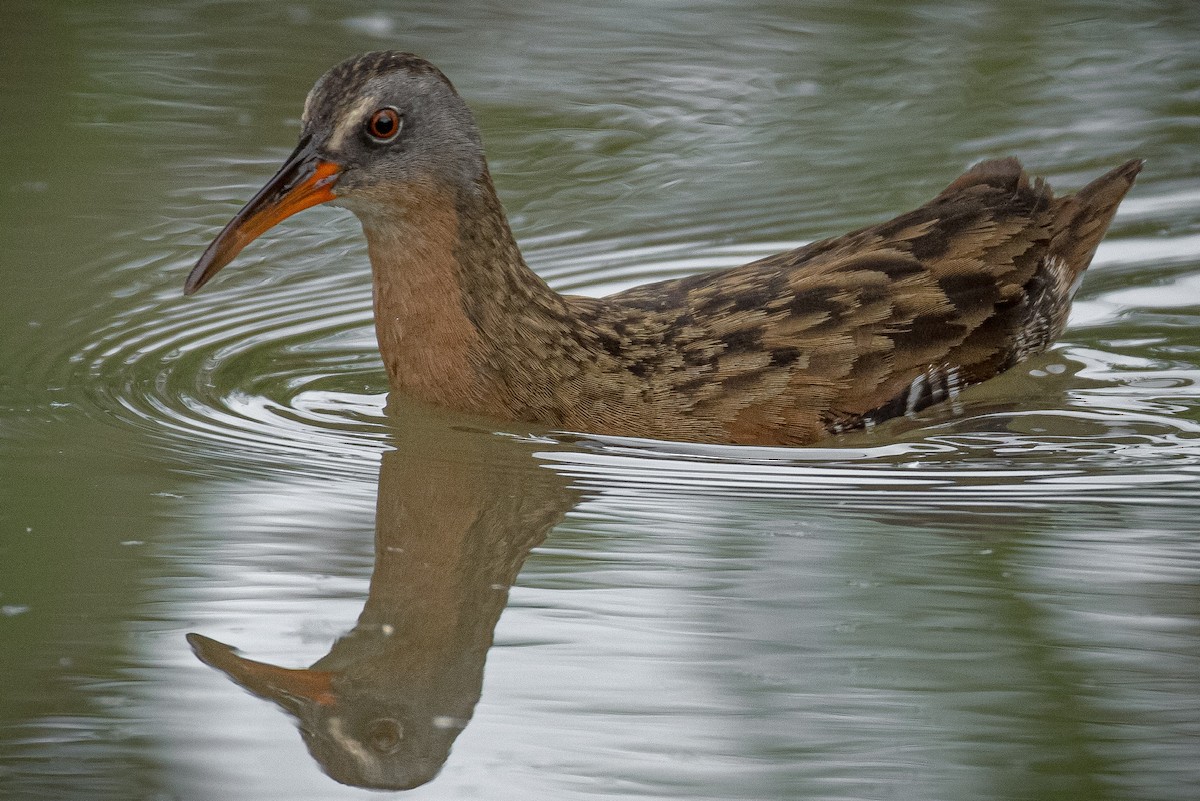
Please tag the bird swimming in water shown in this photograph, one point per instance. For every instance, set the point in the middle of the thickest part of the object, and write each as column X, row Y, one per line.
column 831, row 337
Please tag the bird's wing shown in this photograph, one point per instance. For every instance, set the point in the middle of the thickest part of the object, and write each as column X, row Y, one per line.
column 846, row 331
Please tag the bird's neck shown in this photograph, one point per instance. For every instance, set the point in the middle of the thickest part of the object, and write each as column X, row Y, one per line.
column 458, row 313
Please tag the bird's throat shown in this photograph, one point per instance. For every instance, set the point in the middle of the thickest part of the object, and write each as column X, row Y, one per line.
column 450, row 291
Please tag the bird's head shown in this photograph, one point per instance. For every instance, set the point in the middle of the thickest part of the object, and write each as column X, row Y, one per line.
column 380, row 130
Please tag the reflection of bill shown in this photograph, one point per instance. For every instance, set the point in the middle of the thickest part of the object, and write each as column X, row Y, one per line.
column 456, row 516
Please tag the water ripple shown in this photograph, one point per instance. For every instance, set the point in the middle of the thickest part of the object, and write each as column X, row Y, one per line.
column 285, row 376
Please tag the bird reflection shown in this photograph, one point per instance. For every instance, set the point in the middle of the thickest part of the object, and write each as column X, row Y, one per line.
column 457, row 514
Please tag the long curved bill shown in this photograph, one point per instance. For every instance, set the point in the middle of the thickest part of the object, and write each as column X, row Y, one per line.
column 304, row 180
column 293, row 689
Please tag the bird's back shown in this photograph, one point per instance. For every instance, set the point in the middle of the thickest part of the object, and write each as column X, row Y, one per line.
column 850, row 331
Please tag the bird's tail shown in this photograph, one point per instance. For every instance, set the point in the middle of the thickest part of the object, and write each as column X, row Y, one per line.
column 1085, row 216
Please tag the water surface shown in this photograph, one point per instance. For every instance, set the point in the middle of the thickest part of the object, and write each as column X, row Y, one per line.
column 994, row 600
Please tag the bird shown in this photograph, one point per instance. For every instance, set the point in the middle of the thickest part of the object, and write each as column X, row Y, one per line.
column 831, row 337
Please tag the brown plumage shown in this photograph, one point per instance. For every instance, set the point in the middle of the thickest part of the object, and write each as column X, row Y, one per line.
column 830, row 337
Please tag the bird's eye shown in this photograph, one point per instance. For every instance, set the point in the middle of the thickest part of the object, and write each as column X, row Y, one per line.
column 384, row 735
column 384, row 124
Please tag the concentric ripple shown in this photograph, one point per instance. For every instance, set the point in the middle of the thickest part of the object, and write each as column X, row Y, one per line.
column 284, row 375
column 936, row 475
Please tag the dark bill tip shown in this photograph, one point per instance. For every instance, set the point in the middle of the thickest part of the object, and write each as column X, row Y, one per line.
column 303, row 181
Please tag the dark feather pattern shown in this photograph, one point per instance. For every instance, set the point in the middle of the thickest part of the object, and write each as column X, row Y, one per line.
column 880, row 322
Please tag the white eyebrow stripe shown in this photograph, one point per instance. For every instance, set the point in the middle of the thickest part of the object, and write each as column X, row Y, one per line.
column 350, row 121
column 308, row 105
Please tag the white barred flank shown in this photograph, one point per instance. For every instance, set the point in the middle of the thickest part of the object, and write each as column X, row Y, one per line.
column 1065, row 281
column 936, row 384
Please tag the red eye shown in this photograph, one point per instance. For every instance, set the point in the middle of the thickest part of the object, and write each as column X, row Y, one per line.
column 384, row 124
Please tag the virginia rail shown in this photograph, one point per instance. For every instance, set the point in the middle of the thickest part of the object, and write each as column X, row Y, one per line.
column 830, row 337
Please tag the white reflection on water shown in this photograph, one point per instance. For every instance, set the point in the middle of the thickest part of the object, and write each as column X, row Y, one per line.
column 712, row 627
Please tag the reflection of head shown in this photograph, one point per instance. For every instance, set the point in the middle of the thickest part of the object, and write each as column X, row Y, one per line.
column 376, row 737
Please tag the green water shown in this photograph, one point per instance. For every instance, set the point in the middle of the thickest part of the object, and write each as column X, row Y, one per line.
column 992, row 601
